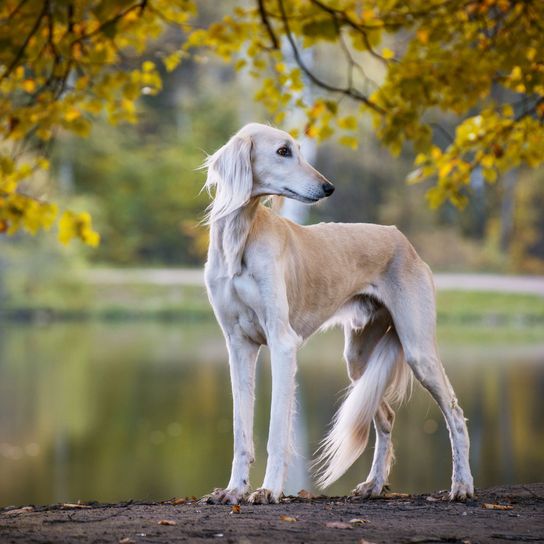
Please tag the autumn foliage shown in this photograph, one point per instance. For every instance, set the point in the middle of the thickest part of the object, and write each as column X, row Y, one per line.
column 476, row 63
column 61, row 65
column 479, row 61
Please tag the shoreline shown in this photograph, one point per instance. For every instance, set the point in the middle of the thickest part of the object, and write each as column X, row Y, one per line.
column 499, row 514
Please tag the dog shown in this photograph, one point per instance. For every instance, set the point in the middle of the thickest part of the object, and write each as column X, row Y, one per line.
column 273, row 282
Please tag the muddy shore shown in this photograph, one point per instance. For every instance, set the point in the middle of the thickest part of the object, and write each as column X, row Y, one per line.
column 500, row 514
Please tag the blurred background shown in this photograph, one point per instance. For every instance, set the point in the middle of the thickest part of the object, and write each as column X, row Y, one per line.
column 113, row 373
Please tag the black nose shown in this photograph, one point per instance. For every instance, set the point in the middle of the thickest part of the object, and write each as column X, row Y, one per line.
column 328, row 189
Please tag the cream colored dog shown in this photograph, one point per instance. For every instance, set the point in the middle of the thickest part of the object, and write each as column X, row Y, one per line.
column 273, row 282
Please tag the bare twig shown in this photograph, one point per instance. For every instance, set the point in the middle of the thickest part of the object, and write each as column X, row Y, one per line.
column 268, row 26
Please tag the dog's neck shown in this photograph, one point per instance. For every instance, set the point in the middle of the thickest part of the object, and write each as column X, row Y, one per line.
column 228, row 238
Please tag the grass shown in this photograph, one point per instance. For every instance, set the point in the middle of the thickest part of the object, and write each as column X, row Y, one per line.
column 495, row 316
column 489, row 308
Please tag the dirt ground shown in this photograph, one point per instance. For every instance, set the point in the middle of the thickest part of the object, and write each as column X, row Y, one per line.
column 500, row 514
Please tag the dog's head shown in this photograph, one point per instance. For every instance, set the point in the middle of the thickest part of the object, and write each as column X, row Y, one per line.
column 261, row 160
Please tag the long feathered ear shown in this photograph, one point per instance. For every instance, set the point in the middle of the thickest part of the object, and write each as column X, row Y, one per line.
column 230, row 172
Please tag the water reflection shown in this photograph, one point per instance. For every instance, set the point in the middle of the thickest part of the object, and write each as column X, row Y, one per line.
column 111, row 411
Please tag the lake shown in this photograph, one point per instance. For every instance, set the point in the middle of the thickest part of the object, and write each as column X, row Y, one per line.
column 142, row 409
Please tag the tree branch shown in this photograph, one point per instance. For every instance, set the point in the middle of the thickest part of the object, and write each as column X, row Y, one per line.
column 140, row 5
column 22, row 49
column 361, row 29
column 268, row 26
column 17, row 8
column 348, row 91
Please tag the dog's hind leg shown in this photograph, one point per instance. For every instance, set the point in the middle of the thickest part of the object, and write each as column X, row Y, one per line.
column 242, row 362
column 383, row 454
column 358, row 348
column 428, row 369
column 415, row 322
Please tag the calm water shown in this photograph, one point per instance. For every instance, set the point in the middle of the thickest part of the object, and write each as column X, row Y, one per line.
column 113, row 411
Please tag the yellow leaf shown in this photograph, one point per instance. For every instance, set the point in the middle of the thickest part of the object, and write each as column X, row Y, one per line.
column 325, row 132
column 387, row 53
column 66, row 227
column 171, row 61
column 167, row 522
column 240, row 63
column 420, row 159
column 349, row 141
column 43, row 163
column 507, row 110
column 349, row 122
column 444, row 169
column 29, row 85
column 492, row 506
column 77, row 225
column 423, row 35
column 487, row 161
column 294, row 132
column 72, row 114
column 44, row 134
column 515, row 74
column 489, row 174
column 279, row 117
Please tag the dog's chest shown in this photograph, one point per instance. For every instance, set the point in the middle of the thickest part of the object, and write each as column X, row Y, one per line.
column 238, row 303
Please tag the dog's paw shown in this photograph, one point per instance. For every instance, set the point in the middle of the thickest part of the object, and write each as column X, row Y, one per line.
column 368, row 489
column 223, row 496
column 264, row 496
column 461, row 491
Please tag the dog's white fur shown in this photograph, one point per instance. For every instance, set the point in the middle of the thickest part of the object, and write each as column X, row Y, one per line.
column 273, row 282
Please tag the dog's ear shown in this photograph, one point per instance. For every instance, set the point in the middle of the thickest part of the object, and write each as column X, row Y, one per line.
column 230, row 172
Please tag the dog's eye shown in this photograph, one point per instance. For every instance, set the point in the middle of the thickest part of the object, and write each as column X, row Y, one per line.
column 284, row 151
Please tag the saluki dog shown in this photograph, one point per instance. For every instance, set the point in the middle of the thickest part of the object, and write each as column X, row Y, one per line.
column 273, row 282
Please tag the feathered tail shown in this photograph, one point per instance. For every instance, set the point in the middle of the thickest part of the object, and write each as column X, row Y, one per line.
column 385, row 377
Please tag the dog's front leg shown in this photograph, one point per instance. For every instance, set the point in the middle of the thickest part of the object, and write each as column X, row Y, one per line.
column 283, row 357
column 242, row 362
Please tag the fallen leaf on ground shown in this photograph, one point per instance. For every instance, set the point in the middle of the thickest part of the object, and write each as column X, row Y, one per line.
column 167, row 522
column 127, row 540
column 430, row 498
column 290, row 519
column 359, row 521
column 304, row 494
column 23, row 510
column 177, row 502
column 489, row 506
column 235, row 509
column 71, row 505
column 396, row 495
column 338, row 525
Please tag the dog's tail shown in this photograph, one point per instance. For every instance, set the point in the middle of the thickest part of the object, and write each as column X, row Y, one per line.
column 386, row 377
